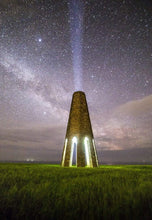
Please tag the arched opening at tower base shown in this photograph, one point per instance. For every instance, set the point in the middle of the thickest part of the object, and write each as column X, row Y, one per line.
column 88, row 159
column 73, row 156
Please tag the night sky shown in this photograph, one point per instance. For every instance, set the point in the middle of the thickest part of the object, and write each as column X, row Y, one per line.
column 49, row 49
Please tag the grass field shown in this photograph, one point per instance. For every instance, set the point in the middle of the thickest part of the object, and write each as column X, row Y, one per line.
column 40, row 191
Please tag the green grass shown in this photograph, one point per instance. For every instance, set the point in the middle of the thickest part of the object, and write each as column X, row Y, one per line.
column 41, row 191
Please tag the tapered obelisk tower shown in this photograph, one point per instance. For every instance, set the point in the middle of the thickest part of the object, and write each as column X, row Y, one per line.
column 79, row 147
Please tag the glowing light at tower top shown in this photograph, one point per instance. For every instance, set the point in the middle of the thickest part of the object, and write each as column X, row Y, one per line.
column 76, row 28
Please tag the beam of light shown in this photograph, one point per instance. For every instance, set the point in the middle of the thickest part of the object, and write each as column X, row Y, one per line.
column 76, row 28
column 74, row 141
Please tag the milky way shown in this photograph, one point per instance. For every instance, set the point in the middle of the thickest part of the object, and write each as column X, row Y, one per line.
column 37, row 76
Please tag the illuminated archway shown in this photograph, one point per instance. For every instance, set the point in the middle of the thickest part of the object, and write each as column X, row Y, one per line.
column 87, row 152
column 73, row 148
column 64, row 151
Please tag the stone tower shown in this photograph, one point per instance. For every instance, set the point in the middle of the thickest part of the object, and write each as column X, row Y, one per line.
column 79, row 146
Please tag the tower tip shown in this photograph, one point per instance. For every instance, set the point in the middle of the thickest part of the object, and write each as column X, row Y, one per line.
column 80, row 92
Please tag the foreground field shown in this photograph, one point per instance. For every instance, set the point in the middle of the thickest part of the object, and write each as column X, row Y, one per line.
column 39, row 191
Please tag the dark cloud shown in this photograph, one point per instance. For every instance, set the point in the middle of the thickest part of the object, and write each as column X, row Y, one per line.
column 132, row 156
column 22, row 153
column 47, row 137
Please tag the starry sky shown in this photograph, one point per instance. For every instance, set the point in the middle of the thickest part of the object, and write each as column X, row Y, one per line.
column 48, row 48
